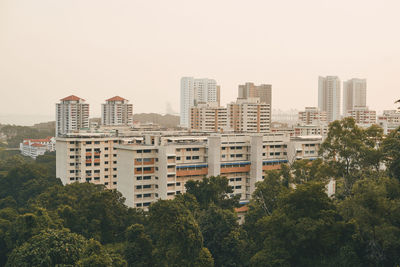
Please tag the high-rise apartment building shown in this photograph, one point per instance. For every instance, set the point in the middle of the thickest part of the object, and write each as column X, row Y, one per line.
column 312, row 115
column 208, row 117
column 263, row 91
column 72, row 114
column 354, row 94
column 194, row 91
column 117, row 111
column 329, row 96
column 249, row 115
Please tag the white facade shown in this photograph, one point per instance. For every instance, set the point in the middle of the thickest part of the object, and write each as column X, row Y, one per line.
column 208, row 117
column 194, row 91
column 362, row 115
column 329, row 96
column 249, row 115
column 116, row 111
column 36, row 147
column 312, row 115
column 354, row 94
column 72, row 114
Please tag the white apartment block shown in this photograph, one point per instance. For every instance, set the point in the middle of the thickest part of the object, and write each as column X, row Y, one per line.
column 249, row 90
column 194, row 91
column 312, row 115
column 72, row 114
column 249, row 115
column 116, row 111
column 160, row 167
column 389, row 120
column 362, row 115
column 36, row 147
column 147, row 166
column 329, row 96
column 354, row 94
column 311, row 130
column 208, row 117
column 88, row 157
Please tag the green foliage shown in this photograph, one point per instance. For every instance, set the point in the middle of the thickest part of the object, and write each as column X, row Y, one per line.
column 304, row 230
column 212, row 190
column 223, row 236
column 176, row 235
column 90, row 210
column 139, row 248
column 59, row 247
column 391, row 150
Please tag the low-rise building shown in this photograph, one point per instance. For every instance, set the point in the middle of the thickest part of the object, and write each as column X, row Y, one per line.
column 208, row 117
column 312, row 115
column 362, row 115
column 36, row 147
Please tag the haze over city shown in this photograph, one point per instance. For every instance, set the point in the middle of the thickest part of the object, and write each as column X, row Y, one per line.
column 141, row 49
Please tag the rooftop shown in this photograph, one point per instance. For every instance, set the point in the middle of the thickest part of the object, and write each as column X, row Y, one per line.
column 72, row 98
column 116, row 98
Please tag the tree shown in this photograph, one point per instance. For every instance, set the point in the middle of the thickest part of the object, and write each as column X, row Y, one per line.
column 212, row 190
column 176, row 235
column 374, row 206
column 304, row 230
column 391, row 151
column 223, row 236
column 139, row 248
column 49, row 248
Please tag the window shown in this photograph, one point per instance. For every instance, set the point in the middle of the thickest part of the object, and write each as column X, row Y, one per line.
column 71, row 171
column 71, row 178
column 196, row 149
column 178, row 158
column 146, row 204
column 71, row 149
column 139, row 196
column 96, row 171
column 238, row 179
column 139, row 178
column 114, row 169
column 71, row 157
column 106, row 148
column 138, row 187
column 105, row 176
column 88, row 142
column 72, row 164
column 188, row 158
column 114, row 182
column 146, row 177
column 96, row 164
column 72, row 142
column 88, row 164
column 105, row 162
column 115, row 141
column 178, row 184
column 146, row 195
column 147, row 151
column 146, row 186
column 106, row 169
column 114, row 176
column 170, row 193
column 188, row 149
column 238, row 187
column 195, row 157
column 96, row 142
column 138, row 204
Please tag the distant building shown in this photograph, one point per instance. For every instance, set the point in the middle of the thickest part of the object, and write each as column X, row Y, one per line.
column 263, row 91
column 208, row 117
column 329, row 97
column 312, row 115
column 362, row 115
column 72, row 114
column 116, row 111
column 249, row 115
column 389, row 120
column 194, row 91
column 36, row 147
column 354, row 94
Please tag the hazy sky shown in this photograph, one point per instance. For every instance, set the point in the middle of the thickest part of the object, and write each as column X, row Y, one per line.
column 139, row 50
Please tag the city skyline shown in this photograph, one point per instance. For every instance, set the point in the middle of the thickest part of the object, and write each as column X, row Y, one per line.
column 71, row 55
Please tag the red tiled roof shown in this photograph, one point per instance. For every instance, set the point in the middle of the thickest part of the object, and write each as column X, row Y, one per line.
column 72, row 98
column 38, row 140
column 37, row 145
column 242, row 209
column 116, row 98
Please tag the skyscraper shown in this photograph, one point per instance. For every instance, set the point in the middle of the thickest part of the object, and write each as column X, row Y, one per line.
column 329, row 96
column 194, row 91
column 249, row 90
column 116, row 111
column 72, row 114
column 354, row 94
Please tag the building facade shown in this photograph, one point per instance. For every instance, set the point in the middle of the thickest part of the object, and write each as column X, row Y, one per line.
column 208, row 117
column 36, row 147
column 72, row 114
column 354, row 94
column 116, row 111
column 362, row 115
column 194, row 91
column 329, row 97
column 263, row 91
column 249, row 115
column 312, row 115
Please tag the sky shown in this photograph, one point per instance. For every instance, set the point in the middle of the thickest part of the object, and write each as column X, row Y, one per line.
column 139, row 50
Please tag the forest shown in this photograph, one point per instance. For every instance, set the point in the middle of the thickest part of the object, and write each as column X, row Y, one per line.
column 291, row 221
